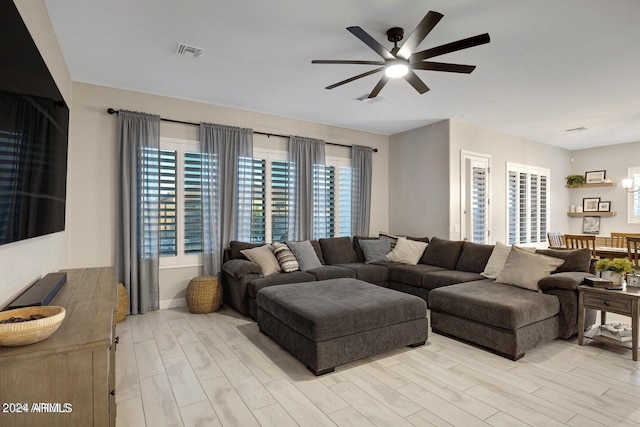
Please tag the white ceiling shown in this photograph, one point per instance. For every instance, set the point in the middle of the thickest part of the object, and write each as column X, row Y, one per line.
column 551, row 65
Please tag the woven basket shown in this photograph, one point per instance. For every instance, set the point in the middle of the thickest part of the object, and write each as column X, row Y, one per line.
column 123, row 304
column 204, row 294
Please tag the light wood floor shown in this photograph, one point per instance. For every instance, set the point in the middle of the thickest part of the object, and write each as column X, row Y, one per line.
column 175, row 368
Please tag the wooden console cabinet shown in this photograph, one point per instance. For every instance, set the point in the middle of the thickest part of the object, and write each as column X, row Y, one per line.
column 72, row 373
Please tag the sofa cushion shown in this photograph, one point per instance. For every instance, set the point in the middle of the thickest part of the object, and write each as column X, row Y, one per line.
column 497, row 259
column 410, row 274
column 337, row 250
column 375, row 250
column 474, row 257
column 372, row 273
column 574, row 260
column 525, row 269
column 237, row 246
column 436, row 279
column 407, row 251
column 285, row 257
column 495, row 304
column 278, row 279
column 305, row 254
column 442, row 253
column 327, row 272
column 264, row 257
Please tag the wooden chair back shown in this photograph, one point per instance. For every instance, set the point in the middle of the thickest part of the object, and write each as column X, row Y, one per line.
column 555, row 240
column 579, row 241
column 633, row 243
column 619, row 240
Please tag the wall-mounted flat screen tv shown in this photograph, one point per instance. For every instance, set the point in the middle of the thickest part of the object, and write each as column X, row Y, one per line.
column 34, row 122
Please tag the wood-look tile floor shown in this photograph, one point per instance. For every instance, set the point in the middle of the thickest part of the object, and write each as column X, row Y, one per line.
column 174, row 368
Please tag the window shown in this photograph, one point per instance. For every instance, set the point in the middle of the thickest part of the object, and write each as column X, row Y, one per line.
column 475, row 197
column 633, row 203
column 527, row 204
column 180, row 208
column 334, row 215
column 180, row 203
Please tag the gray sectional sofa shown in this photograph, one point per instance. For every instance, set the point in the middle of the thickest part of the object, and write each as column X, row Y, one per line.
column 464, row 304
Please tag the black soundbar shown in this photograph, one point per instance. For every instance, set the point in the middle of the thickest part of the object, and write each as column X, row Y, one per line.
column 42, row 292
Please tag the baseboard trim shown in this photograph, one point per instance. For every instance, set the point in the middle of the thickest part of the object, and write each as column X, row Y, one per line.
column 173, row 303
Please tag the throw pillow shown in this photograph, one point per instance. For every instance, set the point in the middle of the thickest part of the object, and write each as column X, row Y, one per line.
column 407, row 251
column 337, row 250
column 285, row 257
column 375, row 250
column 305, row 254
column 524, row 269
column 498, row 258
column 264, row 257
column 393, row 239
column 442, row 253
column 574, row 259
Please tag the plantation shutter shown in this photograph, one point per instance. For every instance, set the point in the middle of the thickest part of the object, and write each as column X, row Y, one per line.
column 279, row 200
column 258, row 200
column 527, row 204
column 192, row 203
column 344, row 204
column 475, row 197
column 168, row 202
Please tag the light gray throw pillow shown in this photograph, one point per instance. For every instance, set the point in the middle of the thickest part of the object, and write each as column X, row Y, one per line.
column 524, row 269
column 375, row 250
column 305, row 254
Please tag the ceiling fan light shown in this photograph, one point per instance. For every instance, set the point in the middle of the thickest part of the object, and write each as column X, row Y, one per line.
column 396, row 70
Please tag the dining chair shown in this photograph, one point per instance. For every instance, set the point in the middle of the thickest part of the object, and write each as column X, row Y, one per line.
column 555, row 240
column 619, row 240
column 632, row 250
column 579, row 241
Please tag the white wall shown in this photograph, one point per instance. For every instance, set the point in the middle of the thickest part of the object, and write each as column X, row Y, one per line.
column 615, row 159
column 93, row 165
column 419, row 181
column 22, row 263
column 505, row 148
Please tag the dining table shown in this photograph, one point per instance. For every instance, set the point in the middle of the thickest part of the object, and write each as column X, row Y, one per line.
column 611, row 252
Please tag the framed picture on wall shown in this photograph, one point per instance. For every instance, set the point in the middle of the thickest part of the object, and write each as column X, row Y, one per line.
column 593, row 177
column 604, row 206
column 590, row 204
column 591, row 225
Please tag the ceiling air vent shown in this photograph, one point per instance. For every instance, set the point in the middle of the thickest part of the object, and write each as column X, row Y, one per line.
column 187, row 50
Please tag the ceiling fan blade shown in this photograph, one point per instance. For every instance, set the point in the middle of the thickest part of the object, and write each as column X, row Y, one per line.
column 359, row 76
column 330, row 61
column 376, row 90
column 415, row 81
column 441, row 66
column 425, row 26
column 371, row 42
column 450, row 47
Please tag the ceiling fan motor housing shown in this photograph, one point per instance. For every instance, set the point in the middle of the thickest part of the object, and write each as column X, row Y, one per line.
column 395, row 34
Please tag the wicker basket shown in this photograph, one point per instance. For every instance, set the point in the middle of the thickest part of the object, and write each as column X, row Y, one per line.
column 204, row 294
column 123, row 304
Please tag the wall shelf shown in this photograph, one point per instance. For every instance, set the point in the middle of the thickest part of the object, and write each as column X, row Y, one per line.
column 592, row 185
column 583, row 214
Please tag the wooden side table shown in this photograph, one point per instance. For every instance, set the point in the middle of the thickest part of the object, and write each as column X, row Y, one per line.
column 621, row 302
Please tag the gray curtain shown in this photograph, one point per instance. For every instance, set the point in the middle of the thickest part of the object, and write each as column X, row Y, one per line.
column 138, row 227
column 361, row 167
column 226, row 189
column 307, row 192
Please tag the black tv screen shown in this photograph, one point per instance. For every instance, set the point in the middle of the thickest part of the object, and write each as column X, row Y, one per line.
column 34, row 122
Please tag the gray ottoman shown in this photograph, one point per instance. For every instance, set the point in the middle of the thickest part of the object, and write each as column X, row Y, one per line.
column 330, row 322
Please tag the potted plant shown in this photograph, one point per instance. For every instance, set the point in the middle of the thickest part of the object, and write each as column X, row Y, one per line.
column 614, row 269
column 575, row 180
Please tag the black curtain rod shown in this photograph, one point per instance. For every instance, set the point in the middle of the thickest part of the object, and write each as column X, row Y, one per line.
column 268, row 135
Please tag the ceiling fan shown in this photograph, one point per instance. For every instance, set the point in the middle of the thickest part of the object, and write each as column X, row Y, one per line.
column 402, row 61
